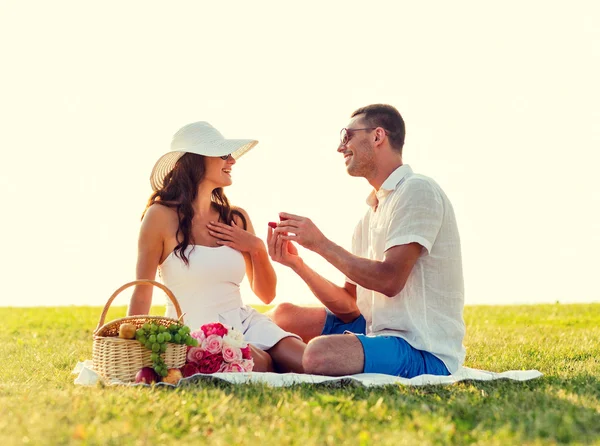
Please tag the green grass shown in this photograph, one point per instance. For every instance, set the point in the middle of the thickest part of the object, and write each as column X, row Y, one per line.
column 40, row 405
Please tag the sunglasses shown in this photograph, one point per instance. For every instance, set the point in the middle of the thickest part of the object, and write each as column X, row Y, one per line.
column 225, row 157
column 347, row 134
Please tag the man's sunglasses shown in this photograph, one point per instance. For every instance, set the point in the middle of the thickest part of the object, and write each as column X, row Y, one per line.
column 225, row 157
column 347, row 134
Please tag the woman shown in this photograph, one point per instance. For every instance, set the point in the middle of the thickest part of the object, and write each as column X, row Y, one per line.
column 202, row 246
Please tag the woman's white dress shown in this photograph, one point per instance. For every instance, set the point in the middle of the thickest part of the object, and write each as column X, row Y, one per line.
column 208, row 290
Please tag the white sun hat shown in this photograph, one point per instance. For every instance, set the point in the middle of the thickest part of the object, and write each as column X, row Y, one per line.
column 200, row 138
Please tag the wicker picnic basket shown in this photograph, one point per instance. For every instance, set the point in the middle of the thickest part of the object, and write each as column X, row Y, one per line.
column 117, row 359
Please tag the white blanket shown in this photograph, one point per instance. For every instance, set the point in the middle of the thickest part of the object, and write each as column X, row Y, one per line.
column 87, row 376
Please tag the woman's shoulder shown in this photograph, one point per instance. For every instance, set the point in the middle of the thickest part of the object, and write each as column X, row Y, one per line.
column 160, row 213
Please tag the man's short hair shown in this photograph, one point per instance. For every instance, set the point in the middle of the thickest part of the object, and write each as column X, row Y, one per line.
column 386, row 116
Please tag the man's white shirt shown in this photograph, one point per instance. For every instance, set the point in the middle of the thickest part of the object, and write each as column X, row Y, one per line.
column 428, row 312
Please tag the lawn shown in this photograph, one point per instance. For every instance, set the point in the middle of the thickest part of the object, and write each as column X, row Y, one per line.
column 40, row 404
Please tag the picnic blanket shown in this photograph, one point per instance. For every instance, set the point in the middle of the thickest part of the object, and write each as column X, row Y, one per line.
column 87, row 376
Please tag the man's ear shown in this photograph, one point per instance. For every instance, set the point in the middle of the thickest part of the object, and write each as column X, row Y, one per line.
column 379, row 134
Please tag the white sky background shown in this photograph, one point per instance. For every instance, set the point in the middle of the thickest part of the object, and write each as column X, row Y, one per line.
column 500, row 101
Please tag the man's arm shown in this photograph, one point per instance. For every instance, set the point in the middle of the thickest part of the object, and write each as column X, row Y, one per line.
column 387, row 277
column 414, row 224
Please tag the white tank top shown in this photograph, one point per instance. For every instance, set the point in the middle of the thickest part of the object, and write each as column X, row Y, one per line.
column 206, row 289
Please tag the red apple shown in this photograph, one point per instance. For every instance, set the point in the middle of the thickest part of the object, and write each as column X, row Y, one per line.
column 147, row 375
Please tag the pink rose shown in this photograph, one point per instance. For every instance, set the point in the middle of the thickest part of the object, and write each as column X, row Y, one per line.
column 234, row 367
column 213, row 344
column 199, row 336
column 210, row 364
column 231, row 354
column 195, row 355
column 216, row 328
column 246, row 352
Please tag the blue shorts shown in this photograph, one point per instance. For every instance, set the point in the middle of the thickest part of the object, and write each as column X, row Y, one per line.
column 394, row 356
column 334, row 325
column 390, row 355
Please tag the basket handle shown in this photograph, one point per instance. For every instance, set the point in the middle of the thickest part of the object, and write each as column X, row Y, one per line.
column 168, row 292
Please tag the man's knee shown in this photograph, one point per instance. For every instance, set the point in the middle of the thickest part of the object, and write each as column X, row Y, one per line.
column 283, row 314
column 315, row 356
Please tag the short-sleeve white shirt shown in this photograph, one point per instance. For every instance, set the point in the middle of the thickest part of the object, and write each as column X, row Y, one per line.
column 428, row 312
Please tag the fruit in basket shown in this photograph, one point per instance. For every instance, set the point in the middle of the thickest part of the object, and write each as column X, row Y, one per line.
column 147, row 375
column 173, row 376
column 127, row 331
column 155, row 338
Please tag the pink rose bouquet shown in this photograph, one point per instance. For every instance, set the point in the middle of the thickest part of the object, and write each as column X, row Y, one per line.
column 220, row 349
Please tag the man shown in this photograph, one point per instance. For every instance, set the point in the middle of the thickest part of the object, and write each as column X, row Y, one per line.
column 400, row 309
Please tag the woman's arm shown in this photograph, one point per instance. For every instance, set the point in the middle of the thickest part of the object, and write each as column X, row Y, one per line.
column 259, row 270
column 150, row 250
column 341, row 301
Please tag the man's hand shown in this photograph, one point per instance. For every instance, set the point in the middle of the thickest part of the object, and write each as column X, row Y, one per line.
column 282, row 251
column 306, row 232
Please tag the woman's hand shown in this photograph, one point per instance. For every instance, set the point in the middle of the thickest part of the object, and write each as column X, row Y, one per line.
column 282, row 251
column 235, row 237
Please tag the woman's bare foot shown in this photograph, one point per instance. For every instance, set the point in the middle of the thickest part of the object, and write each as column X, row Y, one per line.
column 262, row 360
column 287, row 355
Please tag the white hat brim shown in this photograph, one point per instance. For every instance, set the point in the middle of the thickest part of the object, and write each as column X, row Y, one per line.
column 166, row 163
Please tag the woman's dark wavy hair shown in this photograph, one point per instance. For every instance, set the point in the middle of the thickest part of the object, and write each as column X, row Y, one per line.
column 180, row 188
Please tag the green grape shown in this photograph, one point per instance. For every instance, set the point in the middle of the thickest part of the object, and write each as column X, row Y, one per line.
column 153, row 328
column 152, row 339
column 160, row 338
column 177, row 338
column 155, row 347
column 163, row 348
column 154, row 357
column 167, row 336
column 194, row 342
column 146, row 326
column 182, row 332
column 162, row 328
column 143, row 339
column 175, row 327
column 139, row 332
column 188, row 341
column 148, row 345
